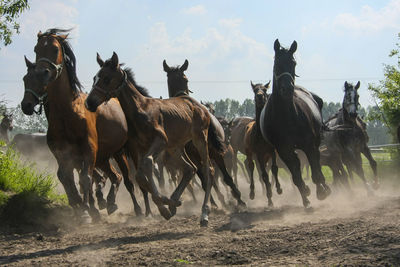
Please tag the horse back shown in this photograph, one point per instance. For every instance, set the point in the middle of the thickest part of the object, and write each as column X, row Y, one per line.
column 238, row 131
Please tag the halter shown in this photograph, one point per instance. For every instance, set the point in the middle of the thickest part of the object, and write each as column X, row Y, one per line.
column 112, row 93
column 277, row 77
column 58, row 67
column 40, row 98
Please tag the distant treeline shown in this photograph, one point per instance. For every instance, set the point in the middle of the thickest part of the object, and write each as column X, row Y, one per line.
column 377, row 130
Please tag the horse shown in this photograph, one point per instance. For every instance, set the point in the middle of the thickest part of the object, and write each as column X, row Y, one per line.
column 291, row 119
column 177, row 87
column 6, row 125
column 350, row 144
column 78, row 139
column 157, row 125
column 256, row 145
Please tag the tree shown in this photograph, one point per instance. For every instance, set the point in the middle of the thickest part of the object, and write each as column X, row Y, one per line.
column 9, row 12
column 388, row 93
column 28, row 124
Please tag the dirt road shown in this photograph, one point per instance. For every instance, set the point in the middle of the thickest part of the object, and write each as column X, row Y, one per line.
column 342, row 230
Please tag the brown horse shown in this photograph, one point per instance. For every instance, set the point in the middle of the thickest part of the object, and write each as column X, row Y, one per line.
column 156, row 125
column 177, row 87
column 255, row 145
column 78, row 139
column 6, row 125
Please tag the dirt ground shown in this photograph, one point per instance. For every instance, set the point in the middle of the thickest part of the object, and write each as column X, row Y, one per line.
column 345, row 229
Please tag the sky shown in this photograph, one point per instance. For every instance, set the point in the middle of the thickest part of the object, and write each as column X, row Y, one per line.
column 228, row 43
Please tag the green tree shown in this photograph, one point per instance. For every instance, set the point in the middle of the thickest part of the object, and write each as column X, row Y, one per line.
column 388, row 93
column 9, row 12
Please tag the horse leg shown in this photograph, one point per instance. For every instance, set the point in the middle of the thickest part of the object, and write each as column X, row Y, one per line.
column 274, row 170
column 367, row 153
column 313, row 156
column 259, row 171
column 244, row 169
column 85, row 182
column 360, row 172
column 181, row 161
column 100, row 182
column 292, row 162
column 250, row 169
column 219, row 160
column 262, row 163
column 66, row 176
column 123, row 165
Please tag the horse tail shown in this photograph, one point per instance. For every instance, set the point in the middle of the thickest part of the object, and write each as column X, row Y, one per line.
column 215, row 139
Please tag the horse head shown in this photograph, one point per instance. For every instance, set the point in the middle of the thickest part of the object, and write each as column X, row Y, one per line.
column 284, row 69
column 177, row 80
column 350, row 100
column 260, row 93
column 107, row 83
column 7, row 122
column 53, row 55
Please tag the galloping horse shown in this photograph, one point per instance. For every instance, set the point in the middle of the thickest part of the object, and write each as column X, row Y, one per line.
column 256, row 145
column 154, row 126
column 291, row 119
column 78, row 139
column 351, row 143
column 6, row 125
column 178, row 87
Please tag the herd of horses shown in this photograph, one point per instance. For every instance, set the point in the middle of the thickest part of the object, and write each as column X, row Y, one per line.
column 119, row 120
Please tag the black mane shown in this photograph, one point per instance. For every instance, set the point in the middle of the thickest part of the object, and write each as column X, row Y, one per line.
column 69, row 57
column 131, row 78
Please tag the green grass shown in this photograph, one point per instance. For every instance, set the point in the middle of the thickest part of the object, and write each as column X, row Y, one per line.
column 25, row 193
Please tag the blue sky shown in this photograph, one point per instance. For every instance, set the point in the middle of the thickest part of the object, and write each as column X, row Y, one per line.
column 227, row 43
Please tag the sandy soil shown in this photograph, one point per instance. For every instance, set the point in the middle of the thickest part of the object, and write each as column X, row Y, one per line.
column 346, row 230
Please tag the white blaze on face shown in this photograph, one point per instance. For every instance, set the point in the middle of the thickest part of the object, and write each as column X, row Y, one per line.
column 96, row 79
column 352, row 107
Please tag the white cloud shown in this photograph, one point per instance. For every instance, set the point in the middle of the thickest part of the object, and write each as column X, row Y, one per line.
column 46, row 14
column 230, row 23
column 369, row 19
column 195, row 10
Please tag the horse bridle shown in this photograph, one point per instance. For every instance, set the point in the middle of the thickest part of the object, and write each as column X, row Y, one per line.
column 58, row 68
column 112, row 93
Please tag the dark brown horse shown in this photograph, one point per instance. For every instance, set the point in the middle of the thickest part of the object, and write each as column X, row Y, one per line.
column 6, row 125
column 78, row 139
column 154, row 126
column 256, row 145
column 291, row 119
column 349, row 144
column 177, row 87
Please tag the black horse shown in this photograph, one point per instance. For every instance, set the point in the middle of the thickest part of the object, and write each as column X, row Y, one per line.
column 291, row 119
column 349, row 144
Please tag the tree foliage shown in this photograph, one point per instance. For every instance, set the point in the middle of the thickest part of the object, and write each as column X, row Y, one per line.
column 388, row 93
column 9, row 12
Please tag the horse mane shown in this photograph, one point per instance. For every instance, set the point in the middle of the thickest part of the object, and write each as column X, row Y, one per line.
column 69, row 57
column 131, row 77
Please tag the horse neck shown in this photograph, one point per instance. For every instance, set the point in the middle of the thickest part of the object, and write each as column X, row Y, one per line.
column 60, row 95
column 258, row 115
column 131, row 101
column 283, row 106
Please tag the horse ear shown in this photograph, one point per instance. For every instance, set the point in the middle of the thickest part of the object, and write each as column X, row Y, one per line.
column 39, row 34
column 277, row 45
column 28, row 63
column 114, row 60
column 357, row 85
column 201, row 102
column 267, row 84
column 252, row 85
column 346, row 84
column 293, row 47
column 99, row 60
column 166, row 67
column 185, row 65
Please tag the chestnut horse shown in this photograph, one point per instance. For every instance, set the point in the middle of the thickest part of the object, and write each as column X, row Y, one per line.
column 178, row 87
column 78, row 139
column 291, row 119
column 255, row 145
column 154, row 126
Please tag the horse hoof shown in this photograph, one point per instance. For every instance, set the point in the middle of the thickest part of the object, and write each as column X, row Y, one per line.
column 172, row 210
column 138, row 212
column 242, row 205
column 306, row 203
column 149, row 214
column 323, row 191
column 102, row 204
column 85, row 218
column 204, row 223
column 111, row 208
column 164, row 212
column 279, row 191
column 270, row 203
column 307, row 190
column 252, row 195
